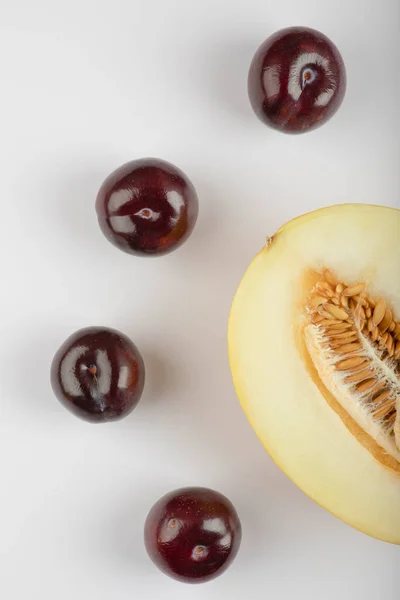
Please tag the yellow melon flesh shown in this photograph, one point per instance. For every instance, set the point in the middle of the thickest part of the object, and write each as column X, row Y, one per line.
column 301, row 424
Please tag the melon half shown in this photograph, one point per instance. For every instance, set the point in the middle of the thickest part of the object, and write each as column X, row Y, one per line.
column 314, row 348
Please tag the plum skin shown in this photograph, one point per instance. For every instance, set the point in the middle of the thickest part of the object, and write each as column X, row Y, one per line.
column 297, row 80
column 147, row 207
column 193, row 534
column 98, row 374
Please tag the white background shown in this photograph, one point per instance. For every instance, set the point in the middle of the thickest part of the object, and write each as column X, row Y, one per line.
column 87, row 85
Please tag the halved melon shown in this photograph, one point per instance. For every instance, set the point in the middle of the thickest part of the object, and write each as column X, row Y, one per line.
column 314, row 346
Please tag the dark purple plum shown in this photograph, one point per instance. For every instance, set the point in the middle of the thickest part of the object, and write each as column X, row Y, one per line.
column 193, row 534
column 297, row 80
column 98, row 374
column 147, row 207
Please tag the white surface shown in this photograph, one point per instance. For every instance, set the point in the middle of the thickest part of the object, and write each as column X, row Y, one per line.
column 85, row 86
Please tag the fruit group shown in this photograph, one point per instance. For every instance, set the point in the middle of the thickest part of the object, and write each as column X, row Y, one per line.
column 193, row 534
column 297, row 80
column 314, row 344
column 147, row 207
column 98, row 374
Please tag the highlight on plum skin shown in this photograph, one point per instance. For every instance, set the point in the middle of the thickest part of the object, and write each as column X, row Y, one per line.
column 98, row 374
column 297, row 80
column 147, row 207
column 193, row 534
